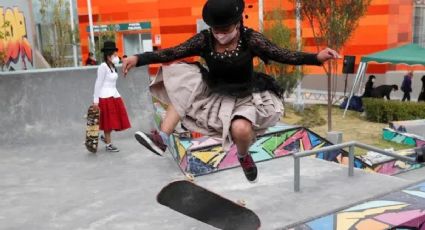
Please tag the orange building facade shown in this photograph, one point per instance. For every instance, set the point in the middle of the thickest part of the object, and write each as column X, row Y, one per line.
column 387, row 23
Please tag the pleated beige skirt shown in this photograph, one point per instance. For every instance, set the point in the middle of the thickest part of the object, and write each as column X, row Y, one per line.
column 210, row 113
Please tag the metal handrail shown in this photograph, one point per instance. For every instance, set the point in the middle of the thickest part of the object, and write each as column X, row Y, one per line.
column 351, row 145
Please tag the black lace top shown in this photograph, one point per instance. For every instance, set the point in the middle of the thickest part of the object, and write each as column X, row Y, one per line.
column 232, row 73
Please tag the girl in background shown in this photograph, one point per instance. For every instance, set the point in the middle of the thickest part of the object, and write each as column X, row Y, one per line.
column 113, row 115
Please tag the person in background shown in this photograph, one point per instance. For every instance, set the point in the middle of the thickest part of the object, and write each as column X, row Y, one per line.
column 91, row 60
column 369, row 86
column 384, row 91
column 406, row 86
column 422, row 94
column 113, row 115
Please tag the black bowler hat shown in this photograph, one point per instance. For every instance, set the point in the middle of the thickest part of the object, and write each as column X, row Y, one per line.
column 109, row 46
column 219, row 13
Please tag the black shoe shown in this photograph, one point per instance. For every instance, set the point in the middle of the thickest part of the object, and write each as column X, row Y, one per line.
column 111, row 148
column 152, row 141
column 249, row 168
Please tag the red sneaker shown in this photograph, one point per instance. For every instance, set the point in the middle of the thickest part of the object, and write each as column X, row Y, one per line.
column 249, row 168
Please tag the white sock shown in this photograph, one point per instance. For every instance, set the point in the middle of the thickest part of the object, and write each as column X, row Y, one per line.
column 241, row 156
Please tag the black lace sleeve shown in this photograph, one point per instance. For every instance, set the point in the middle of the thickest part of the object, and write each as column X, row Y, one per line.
column 266, row 50
column 191, row 47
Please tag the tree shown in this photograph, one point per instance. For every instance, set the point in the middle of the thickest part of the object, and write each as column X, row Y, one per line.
column 333, row 22
column 57, row 33
column 105, row 34
column 278, row 33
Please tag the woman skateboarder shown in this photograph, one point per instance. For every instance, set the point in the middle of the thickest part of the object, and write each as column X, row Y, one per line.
column 227, row 98
column 113, row 115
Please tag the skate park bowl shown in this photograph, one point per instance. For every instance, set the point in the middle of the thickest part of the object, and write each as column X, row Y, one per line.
column 48, row 106
column 50, row 181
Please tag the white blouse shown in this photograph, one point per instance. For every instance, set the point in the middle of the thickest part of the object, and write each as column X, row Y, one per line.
column 105, row 83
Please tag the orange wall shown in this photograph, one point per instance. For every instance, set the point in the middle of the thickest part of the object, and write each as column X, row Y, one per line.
column 388, row 23
column 174, row 20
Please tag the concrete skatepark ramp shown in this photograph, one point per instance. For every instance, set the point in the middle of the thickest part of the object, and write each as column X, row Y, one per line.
column 50, row 181
column 416, row 127
column 46, row 107
column 410, row 133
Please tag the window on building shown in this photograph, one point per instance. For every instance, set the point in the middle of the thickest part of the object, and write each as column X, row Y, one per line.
column 137, row 43
column 419, row 24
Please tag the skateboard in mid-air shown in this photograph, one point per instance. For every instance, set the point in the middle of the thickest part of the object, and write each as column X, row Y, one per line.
column 92, row 129
column 199, row 203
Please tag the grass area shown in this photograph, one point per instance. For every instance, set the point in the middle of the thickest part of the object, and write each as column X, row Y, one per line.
column 354, row 127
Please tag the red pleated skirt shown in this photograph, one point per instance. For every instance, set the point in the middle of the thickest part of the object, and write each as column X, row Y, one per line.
column 113, row 115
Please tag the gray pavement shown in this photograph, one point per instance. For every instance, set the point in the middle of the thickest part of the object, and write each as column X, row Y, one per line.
column 64, row 187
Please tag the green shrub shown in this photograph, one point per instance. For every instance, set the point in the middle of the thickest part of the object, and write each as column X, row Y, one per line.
column 379, row 110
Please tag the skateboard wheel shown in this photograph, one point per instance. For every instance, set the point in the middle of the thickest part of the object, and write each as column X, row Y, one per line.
column 241, row 203
column 189, row 177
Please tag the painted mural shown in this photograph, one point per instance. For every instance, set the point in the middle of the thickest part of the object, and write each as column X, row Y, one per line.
column 15, row 46
column 204, row 155
column 200, row 155
column 402, row 137
column 383, row 164
column 403, row 209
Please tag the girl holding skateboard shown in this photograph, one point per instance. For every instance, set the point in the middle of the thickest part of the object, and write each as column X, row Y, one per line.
column 226, row 98
column 113, row 115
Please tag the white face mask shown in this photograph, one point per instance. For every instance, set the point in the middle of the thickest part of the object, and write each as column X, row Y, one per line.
column 224, row 39
column 115, row 60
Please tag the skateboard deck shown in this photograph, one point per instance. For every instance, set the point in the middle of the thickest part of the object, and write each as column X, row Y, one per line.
column 92, row 129
column 199, row 203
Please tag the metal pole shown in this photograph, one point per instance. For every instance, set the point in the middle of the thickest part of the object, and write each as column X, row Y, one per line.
column 391, row 154
column 261, row 15
column 74, row 46
column 299, row 103
column 356, row 79
column 92, row 47
column 362, row 79
column 351, row 161
column 296, row 174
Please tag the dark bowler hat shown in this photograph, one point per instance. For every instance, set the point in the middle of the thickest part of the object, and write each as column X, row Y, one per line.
column 109, row 46
column 219, row 13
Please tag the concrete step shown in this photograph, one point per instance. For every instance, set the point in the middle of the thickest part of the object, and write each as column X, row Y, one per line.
column 402, row 209
column 413, row 175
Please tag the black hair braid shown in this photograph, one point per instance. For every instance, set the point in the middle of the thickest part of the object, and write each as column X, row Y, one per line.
column 242, row 32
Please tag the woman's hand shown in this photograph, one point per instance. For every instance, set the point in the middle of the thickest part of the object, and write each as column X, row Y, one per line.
column 129, row 63
column 327, row 54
